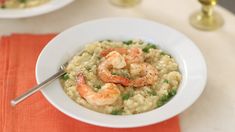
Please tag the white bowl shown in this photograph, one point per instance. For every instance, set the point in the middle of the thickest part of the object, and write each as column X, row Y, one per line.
column 34, row 11
column 67, row 43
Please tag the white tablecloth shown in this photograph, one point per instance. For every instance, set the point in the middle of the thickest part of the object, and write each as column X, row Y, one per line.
column 215, row 109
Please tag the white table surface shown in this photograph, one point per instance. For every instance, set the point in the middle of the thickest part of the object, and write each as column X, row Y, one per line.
column 214, row 111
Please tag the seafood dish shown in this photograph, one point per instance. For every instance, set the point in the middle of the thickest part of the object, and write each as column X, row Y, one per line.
column 18, row 4
column 121, row 77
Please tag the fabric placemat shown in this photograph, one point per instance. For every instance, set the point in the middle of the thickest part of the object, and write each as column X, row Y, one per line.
column 18, row 56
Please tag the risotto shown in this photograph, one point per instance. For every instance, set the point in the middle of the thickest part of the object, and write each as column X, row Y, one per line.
column 21, row 3
column 121, row 77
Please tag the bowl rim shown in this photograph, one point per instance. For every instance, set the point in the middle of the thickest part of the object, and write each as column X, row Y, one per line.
column 196, row 96
column 50, row 6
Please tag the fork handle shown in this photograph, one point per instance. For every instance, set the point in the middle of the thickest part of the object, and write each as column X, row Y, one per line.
column 36, row 88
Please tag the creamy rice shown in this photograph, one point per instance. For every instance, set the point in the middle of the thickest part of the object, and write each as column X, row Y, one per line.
column 22, row 3
column 132, row 100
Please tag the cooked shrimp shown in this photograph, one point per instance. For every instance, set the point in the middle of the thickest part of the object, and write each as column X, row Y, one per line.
column 146, row 74
column 132, row 55
column 107, row 51
column 107, row 95
column 112, row 60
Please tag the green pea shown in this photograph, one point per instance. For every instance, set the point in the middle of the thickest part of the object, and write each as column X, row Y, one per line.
column 65, row 77
column 117, row 112
column 114, row 73
column 126, row 96
column 98, row 87
column 129, row 42
column 148, row 47
column 152, row 93
column 165, row 98
column 166, row 81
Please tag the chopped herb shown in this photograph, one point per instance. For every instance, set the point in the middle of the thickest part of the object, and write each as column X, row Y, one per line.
column 129, row 42
column 126, row 75
column 173, row 92
column 108, row 40
column 126, row 96
column 163, row 53
column 166, row 81
column 152, row 92
column 153, row 46
column 65, row 77
column 146, row 50
column 120, row 73
column 149, row 46
column 117, row 112
column 114, row 73
column 165, row 98
column 160, row 103
column 98, row 87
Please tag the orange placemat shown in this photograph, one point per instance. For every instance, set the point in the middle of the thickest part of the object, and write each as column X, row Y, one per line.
column 18, row 55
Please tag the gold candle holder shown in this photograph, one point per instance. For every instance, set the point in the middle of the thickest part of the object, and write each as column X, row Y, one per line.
column 125, row 3
column 207, row 19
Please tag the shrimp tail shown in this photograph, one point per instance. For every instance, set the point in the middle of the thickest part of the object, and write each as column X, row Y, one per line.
column 82, row 88
column 108, row 93
column 80, row 79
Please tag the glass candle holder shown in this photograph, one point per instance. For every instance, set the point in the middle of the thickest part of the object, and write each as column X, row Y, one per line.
column 207, row 19
column 125, row 3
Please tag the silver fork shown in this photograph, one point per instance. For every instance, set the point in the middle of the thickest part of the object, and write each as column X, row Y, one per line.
column 41, row 85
